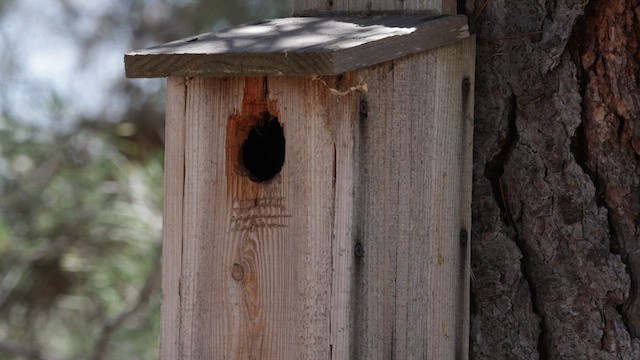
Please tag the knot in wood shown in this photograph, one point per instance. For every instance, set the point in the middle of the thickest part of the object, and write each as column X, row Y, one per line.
column 237, row 272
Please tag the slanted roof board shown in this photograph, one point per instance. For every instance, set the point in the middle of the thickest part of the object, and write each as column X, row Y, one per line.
column 298, row 46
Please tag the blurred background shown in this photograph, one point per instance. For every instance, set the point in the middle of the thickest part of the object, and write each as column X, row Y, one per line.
column 81, row 164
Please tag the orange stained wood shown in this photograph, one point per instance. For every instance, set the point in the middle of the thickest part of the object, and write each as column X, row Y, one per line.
column 255, row 102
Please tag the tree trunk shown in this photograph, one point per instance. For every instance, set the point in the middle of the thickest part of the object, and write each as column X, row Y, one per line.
column 555, row 248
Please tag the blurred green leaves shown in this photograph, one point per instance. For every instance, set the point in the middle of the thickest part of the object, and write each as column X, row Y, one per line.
column 81, row 167
column 80, row 232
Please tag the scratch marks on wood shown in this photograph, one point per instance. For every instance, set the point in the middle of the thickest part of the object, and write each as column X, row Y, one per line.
column 258, row 213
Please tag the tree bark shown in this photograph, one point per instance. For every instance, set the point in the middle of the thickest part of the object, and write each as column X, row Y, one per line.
column 555, row 250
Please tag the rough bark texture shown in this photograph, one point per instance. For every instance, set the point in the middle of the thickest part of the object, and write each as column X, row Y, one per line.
column 556, row 252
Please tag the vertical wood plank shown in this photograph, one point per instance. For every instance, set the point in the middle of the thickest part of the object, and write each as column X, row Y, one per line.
column 309, row 196
column 414, row 198
column 468, row 56
column 319, row 178
column 172, row 235
column 374, row 295
column 207, row 321
column 342, row 244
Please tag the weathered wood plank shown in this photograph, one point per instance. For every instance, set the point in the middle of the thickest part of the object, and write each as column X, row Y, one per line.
column 311, row 115
column 413, row 199
column 206, row 285
column 173, row 202
column 331, row 7
column 298, row 46
column 467, row 56
column 343, row 240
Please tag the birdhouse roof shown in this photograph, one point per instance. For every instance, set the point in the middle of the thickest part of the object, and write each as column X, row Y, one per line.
column 298, row 46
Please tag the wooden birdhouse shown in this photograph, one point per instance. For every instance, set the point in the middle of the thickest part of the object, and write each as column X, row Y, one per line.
column 318, row 188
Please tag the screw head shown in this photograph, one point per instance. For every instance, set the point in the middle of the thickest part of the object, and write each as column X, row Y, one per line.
column 358, row 250
column 463, row 236
column 466, row 85
column 364, row 109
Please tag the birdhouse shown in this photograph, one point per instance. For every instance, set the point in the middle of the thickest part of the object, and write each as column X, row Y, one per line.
column 318, row 188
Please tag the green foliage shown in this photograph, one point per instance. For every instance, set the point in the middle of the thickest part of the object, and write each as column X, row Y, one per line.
column 81, row 162
column 80, row 229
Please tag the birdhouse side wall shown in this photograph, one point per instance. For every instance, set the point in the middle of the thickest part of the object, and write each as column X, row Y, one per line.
column 413, row 207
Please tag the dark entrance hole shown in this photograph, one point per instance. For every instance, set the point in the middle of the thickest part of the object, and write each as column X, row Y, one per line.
column 263, row 150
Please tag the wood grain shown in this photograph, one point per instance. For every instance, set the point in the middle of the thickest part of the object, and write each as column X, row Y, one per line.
column 267, row 270
column 344, row 239
column 323, row 7
column 206, row 261
column 258, row 270
column 413, row 198
column 173, row 202
column 298, row 46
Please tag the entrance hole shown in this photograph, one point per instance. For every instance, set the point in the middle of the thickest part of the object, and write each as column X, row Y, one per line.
column 263, row 150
